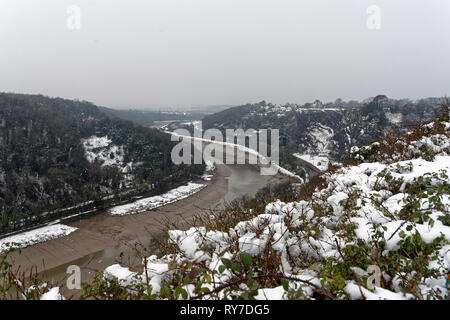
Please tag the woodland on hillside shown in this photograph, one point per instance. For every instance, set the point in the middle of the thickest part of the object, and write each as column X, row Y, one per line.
column 43, row 166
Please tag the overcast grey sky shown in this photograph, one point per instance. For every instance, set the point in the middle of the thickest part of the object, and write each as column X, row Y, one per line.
column 139, row 53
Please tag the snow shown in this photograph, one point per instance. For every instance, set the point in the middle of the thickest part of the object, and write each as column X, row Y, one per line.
column 207, row 177
column 39, row 235
column 438, row 143
column 318, row 153
column 394, row 118
column 122, row 274
column 154, row 202
column 52, row 294
column 210, row 167
column 320, row 109
column 320, row 161
column 270, row 293
column 379, row 293
column 366, row 176
column 102, row 149
column 321, row 136
column 354, row 149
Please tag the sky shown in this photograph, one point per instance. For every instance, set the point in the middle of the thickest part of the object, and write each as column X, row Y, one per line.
column 184, row 53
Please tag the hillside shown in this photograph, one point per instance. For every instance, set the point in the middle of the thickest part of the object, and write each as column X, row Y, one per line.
column 58, row 153
column 148, row 118
column 323, row 133
column 376, row 229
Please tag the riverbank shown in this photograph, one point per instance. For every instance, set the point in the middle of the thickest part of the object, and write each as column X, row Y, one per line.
column 103, row 240
column 104, row 230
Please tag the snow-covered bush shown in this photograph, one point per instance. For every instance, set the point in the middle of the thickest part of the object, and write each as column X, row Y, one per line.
column 422, row 141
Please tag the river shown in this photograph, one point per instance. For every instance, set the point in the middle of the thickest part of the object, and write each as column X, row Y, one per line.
column 241, row 180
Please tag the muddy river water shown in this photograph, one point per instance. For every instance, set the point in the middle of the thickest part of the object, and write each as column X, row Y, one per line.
column 240, row 180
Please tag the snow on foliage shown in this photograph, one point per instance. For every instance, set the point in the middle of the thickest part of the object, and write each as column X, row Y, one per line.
column 395, row 118
column 424, row 141
column 387, row 215
column 102, row 149
column 52, row 294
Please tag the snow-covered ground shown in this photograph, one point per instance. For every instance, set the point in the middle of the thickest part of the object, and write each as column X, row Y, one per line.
column 103, row 150
column 33, row 237
column 319, row 161
column 157, row 201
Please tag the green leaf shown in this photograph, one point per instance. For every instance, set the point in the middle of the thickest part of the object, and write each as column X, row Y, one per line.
column 184, row 294
column 205, row 290
column 236, row 267
column 246, row 259
column 226, row 262
column 186, row 280
column 285, row 284
column 177, row 292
